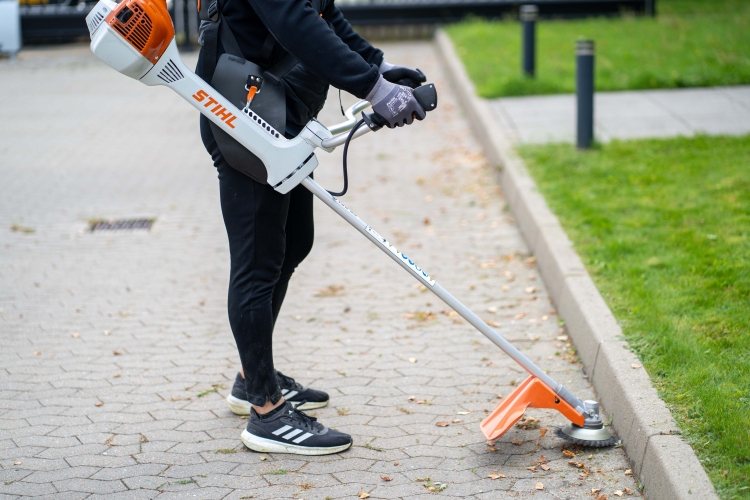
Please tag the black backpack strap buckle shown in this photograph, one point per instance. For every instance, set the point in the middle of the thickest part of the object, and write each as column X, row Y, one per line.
column 213, row 11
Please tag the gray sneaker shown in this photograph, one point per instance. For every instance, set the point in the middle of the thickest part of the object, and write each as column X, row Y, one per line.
column 287, row 430
column 291, row 390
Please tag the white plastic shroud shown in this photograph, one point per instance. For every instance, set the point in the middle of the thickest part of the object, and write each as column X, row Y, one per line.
column 287, row 162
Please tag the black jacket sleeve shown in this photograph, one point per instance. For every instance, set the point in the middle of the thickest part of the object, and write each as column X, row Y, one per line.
column 297, row 27
column 344, row 30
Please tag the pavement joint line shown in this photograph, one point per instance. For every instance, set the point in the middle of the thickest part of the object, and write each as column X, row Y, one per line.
column 654, row 463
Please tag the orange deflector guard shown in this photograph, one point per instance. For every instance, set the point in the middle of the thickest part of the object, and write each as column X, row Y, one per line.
column 532, row 393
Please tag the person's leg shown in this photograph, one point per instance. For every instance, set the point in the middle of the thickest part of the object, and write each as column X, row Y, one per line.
column 300, row 233
column 255, row 219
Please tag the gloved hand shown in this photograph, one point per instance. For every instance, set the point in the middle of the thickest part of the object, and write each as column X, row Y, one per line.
column 401, row 75
column 395, row 104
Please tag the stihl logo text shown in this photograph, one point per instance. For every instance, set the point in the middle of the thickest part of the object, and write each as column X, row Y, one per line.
column 217, row 108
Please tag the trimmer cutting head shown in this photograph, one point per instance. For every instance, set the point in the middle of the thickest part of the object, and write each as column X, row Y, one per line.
column 594, row 438
column 592, row 434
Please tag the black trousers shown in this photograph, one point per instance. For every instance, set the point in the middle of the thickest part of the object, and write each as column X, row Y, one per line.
column 269, row 235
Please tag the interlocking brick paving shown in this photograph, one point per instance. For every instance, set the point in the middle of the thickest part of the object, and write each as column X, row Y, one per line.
column 116, row 351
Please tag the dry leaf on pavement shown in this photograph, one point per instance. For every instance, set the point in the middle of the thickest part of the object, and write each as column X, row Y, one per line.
column 618, row 493
column 629, row 472
column 75, row 335
column 627, row 491
column 539, row 486
column 517, row 442
column 570, row 454
column 386, row 478
column 542, row 432
column 545, row 467
column 443, row 424
column 364, row 494
column 496, row 476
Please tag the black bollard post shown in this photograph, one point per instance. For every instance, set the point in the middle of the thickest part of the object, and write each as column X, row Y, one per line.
column 585, row 93
column 529, row 14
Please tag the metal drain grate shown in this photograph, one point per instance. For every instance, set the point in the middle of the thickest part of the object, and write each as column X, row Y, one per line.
column 120, row 224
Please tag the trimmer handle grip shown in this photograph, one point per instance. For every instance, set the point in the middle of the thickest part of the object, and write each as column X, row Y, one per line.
column 426, row 97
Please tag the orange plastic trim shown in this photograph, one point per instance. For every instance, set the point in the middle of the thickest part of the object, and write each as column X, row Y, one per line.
column 532, row 393
column 149, row 29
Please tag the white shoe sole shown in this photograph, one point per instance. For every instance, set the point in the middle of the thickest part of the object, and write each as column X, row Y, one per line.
column 264, row 445
column 241, row 407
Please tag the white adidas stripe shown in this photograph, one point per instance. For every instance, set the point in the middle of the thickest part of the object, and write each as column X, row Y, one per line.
column 291, row 394
column 282, row 430
column 284, row 391
column 302, row 438
column 292, row 434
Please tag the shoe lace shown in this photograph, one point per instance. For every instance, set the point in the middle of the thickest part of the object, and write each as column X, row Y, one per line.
column 289, row 381
column 306, row 421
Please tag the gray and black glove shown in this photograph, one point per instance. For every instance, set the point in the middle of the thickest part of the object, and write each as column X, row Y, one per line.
column 401, row 75
column 395, row 104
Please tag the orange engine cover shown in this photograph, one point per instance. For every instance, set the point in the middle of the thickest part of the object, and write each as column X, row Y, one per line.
column 145, row 24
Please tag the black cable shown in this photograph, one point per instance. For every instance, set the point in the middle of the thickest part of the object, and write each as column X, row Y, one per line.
column 341, row 104
column 346, row 150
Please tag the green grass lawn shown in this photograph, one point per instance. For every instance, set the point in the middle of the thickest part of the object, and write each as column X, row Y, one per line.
column 692, row 43
column 663, row 227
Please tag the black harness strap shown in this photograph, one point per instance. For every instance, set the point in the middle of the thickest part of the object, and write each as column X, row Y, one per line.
column 215, row 28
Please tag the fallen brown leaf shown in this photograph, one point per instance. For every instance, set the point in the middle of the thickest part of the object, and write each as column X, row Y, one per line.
column 542, row 432
column 37, row 353
column 395, row 463
column 263, row 458
column 532, row 468
column 580, row 465
column 412, row 360
column 570, row 454
column 539, row 486
column 116, row 353
column 618, row 493
column 496, row 476
column 75, row 335
column 527, row 423
column 364, row 494
column 330, row 291
column 443, row 424
column 99, row 404
column 517, row 442
column 595, row 490
column 17, row 463
column 629, row 472
column 456, row 420
column 627, row 491
column 601, row 497
column 117, row 375
column 386, row 478
column 544, row 467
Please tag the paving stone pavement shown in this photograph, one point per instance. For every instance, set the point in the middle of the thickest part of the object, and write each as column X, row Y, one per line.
column 639, row 114
column 116, row 351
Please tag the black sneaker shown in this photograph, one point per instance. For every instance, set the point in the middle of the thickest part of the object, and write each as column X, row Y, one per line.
column 287, row 430
column 291, row 390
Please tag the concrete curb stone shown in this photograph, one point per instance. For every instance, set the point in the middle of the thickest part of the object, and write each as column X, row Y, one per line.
column 662, row 461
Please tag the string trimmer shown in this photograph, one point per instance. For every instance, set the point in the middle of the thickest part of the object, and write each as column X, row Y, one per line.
column 136, row 38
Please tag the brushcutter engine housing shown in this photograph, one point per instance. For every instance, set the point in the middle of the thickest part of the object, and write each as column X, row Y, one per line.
column 136, row 38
